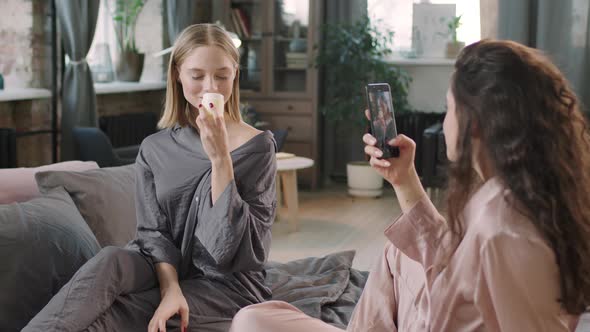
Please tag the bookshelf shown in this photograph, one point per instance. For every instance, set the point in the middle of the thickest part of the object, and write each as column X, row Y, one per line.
column 277, row 76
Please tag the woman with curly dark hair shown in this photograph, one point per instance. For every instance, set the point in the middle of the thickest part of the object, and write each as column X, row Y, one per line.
column 514, row 252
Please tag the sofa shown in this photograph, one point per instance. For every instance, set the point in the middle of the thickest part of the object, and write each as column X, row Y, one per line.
column 55, row 217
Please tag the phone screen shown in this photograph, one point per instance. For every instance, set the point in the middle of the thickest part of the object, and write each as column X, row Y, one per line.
column 383, row 125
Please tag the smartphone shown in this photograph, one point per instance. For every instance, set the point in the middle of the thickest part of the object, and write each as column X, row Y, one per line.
column 382, row 121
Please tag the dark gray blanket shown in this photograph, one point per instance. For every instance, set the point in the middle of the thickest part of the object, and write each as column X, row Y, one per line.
column 322, row 287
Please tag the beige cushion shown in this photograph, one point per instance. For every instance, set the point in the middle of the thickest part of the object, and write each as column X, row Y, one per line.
column 104, row 197
column 18, row 184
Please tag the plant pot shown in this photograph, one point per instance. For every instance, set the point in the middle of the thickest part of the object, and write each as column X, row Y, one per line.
column 363, row 180
column 453, row 49
column 129, row 66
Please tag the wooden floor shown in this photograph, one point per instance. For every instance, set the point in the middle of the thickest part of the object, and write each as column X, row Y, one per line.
column 331, row 221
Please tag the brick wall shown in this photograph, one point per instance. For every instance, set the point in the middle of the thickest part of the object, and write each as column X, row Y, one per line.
column 16, row 37
column 29, row 115
column 25, row 61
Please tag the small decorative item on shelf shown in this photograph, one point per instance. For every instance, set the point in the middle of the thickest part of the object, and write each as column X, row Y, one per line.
column 454, row 46
column 253, row 70
column 296, row 58
column 297, row 44
column 417, row 49
column 408, row 53
column 129, row 62
column 101, row 65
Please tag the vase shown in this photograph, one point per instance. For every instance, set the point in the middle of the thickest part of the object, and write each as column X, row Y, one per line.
column 297, row 44
column 100, row 64
column 129, row 66
column 453, row 49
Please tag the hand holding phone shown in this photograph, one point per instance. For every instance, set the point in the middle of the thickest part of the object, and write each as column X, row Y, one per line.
column 383, row 128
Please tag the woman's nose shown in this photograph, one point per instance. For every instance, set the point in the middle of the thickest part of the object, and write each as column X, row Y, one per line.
column 209, row 85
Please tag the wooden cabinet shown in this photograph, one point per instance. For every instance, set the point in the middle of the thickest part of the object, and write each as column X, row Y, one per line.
column 277, row 75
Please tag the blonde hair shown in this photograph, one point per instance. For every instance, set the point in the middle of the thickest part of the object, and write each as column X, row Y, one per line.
column 197, row 35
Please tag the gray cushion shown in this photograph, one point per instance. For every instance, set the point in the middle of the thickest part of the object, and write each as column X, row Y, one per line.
column 584, row 323
column 104, row 197
column 42, row 243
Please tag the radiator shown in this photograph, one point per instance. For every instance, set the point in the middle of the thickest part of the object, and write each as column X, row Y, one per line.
column 413, row 125
column 7, row 148
column 128, row 129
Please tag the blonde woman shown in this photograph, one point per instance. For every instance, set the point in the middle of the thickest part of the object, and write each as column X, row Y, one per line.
column 205, row 201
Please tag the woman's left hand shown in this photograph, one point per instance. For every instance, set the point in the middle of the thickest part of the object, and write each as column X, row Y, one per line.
column 213, row 133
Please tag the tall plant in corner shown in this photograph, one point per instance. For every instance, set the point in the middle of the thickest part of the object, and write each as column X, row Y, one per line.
column 352, row 55
column 125, row 14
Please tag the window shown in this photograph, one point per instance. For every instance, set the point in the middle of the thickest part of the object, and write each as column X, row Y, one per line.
column 396, row 15
column 102, row 51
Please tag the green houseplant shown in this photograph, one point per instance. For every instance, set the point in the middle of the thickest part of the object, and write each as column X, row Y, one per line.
column 130, row 61
column 351, row 56
column 454, row 46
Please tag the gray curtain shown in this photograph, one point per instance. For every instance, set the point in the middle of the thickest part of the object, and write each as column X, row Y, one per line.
column 77, row 22
column 339, row 145
column 559, row 28
column 180, row 14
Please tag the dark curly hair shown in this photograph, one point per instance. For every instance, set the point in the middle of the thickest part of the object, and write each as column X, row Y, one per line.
column 536, row 138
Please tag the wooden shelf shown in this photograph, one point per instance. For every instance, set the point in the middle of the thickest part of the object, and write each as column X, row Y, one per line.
column 245, row 2
column 252, row 39
column 420, row 61
column 121, row 87
column 291, row 68
column 23, row 94
column 287, row 39
column 284, row 94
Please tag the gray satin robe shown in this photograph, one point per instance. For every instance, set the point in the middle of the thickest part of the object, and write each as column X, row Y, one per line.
column 178, row 224
column 218, row 250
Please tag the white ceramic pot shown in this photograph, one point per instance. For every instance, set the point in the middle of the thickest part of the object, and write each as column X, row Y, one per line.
column 363, row 180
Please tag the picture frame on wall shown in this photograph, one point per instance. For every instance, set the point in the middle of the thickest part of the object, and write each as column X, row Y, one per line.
column 429, row 28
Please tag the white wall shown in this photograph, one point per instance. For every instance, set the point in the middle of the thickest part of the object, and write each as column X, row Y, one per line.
column 430, row 81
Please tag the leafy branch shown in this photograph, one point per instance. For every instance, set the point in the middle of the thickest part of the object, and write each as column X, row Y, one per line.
column 453, row 25
column 125, row 14
column 352, row 55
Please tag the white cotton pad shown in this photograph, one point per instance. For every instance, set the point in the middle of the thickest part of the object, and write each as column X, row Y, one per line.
column 217, row 100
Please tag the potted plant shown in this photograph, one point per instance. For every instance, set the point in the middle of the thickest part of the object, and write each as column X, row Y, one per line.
column 454, row 46
column 129, row 64
column 351, row 56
